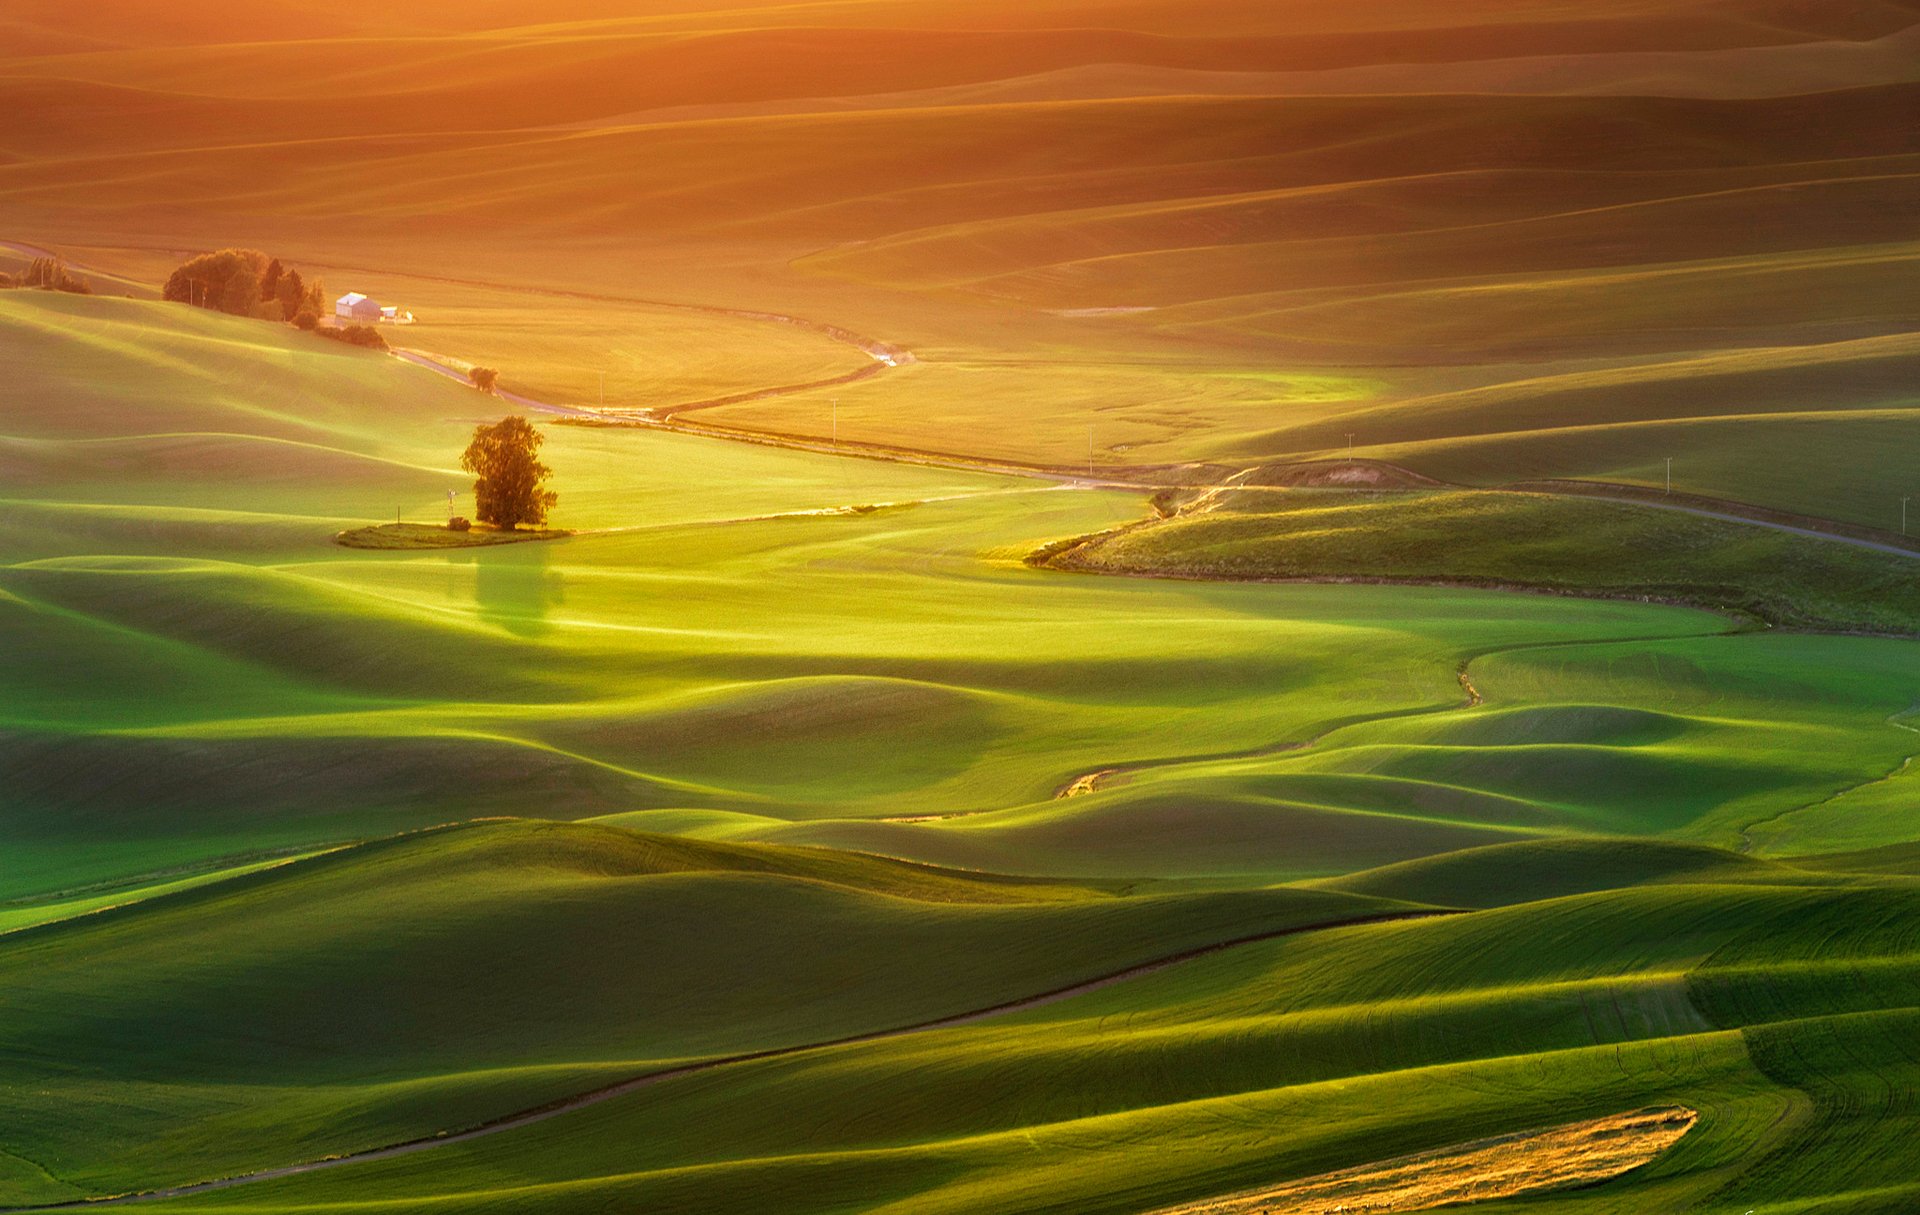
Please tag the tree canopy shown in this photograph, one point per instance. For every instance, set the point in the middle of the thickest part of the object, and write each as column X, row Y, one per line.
column 484, row 378
column 292, row 293
column 245, row 282
column 508, row 474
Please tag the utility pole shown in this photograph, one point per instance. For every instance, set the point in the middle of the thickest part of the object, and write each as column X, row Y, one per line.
column 1349, row 447
column 1903, row 515
column 1089, row 453
column 603, row 390
column 1669, row 475
column 836, row 421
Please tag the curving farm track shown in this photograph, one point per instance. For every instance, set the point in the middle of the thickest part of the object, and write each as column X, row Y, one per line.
column 579, row 1101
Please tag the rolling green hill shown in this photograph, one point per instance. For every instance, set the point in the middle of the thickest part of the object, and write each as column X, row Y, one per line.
column 204, row 693
column 516, row 962
column 1525, row 541
column 1024, row 708
column 1286, row 1058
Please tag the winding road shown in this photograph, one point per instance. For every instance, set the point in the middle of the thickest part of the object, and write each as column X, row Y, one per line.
column 886, row 356
column 579, row 1101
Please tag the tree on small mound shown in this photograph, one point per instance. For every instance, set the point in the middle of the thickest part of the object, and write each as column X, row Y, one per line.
column 508, row 474
column 484, row 378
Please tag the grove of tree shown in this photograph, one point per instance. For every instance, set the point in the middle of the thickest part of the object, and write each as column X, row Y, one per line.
column 50, row 274
column 244, row 282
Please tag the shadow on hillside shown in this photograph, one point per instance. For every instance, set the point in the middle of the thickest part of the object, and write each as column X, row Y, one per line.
column 514, row 587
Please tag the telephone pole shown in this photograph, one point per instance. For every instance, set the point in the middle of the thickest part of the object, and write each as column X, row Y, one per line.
column 1903, row 515
column 1669, row 475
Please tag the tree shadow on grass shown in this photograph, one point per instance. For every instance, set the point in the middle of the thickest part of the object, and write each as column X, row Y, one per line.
column 514, row 586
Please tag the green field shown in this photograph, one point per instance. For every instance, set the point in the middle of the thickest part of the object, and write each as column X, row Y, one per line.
column 1526, row 541
column 1152, row 604
column 676, row 745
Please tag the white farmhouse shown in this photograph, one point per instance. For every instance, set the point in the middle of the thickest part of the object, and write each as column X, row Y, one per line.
column 357, row 309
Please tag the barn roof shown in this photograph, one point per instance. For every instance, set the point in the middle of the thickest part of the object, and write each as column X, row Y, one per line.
column 351, row 298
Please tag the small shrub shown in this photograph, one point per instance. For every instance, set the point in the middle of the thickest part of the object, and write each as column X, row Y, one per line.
column 356, row 335
column 484, row 378
column 307, row 320
column 459, row 523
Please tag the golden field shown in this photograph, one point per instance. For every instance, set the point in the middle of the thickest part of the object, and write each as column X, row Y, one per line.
column 1234, row 233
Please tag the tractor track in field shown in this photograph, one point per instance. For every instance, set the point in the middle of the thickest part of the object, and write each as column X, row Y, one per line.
column 621, row 1088
column 1106, row 777
column 1471, row 698
column 1747, row 842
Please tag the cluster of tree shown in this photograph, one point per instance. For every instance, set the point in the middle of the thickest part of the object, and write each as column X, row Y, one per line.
column 246, row 282
column 48, row 274
column 352, row 335
column 483, row 378
column 505, row 461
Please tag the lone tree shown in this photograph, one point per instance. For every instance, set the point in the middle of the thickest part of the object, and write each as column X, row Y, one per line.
column 484, row 378
column 505, row 461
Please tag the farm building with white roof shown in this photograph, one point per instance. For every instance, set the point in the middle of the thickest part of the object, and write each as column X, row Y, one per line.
column 356, row 307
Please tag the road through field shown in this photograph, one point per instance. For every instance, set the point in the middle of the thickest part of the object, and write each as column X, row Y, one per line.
column 886, row 356
column 567, row 1105
column 1772, row 524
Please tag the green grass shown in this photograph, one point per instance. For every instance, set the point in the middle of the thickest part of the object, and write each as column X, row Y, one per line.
column 518, row 961
column 1282, row 1059
column 389, row 537
column 1526, row 541
column 692, row 720
column 306, row 848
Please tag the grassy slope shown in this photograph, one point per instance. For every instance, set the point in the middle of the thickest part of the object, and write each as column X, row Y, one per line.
column 396, row 988
column 290, row 688
column 197, row 680
column 1524, row 540
column 1781, row 1011
column 1526, row 275
column 617, row 671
